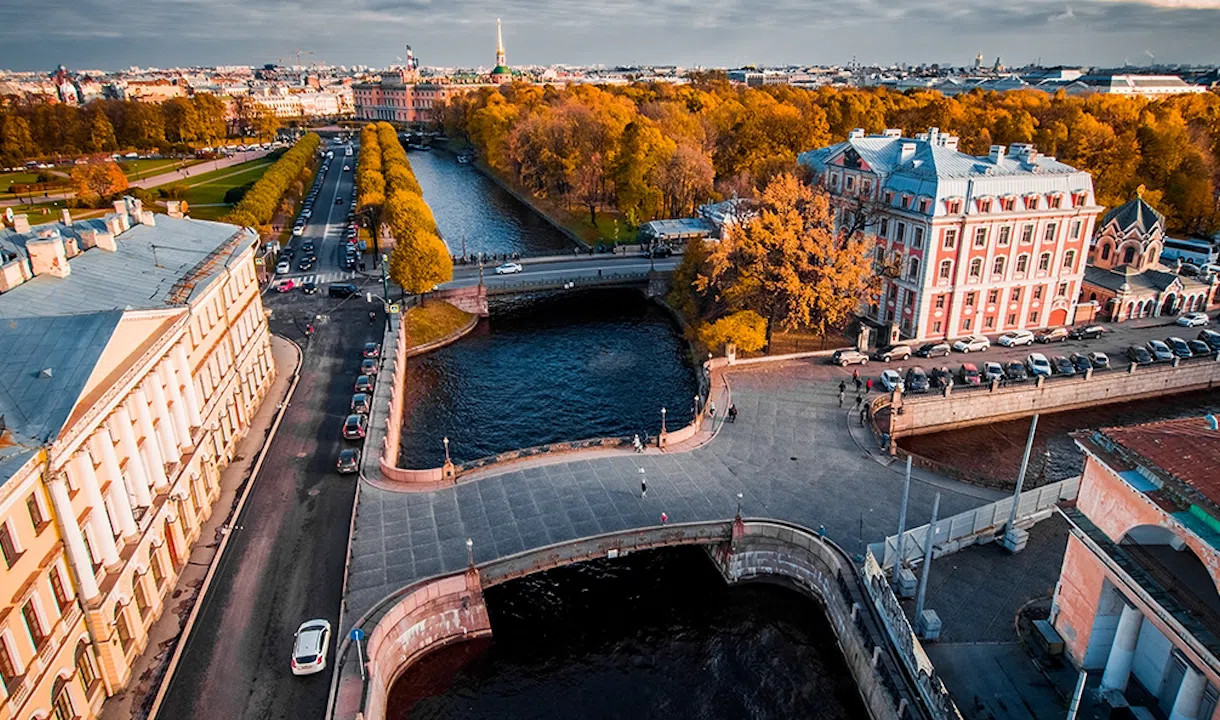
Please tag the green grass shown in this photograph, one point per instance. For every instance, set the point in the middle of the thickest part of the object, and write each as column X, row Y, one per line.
column 209, row 188
column 49, row 212
column 433, row 320
column 144, row 168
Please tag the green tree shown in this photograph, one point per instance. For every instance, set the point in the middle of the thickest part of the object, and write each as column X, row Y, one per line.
column 16, row 144
column 101, row 133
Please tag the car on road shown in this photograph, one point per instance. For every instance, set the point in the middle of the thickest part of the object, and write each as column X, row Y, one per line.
column 354, row 427
column 1086, row 332
column 1081, row 362
column 360, row 403
column 368, row 366
column 661, row 251
column 310, row 288
column 298, row 230
column 372, row 350
column 933, row 349
column 891, row 380
column 843, row 358
column 1099, row 360
column 307, row 246
column 364, row 384
column 1063, row 366
column 940, row 378
column 509, row 268
column 1015, row 371
column 1160, row 351
column 993, row 371
column 285, row 286
column 309, row 647
column 347, row 168
column 972, row 343
column 1139, row 355
column 1052, row 335
column 886, row 353
column 1179, row 347
column 1198, row 348
column 341, row 290
column 1038, row 365
column 1192, row 319
column 338, row 201
column 1211, row 337
column 305, row 263
column 349, row 461
column 970, row 375
column 349, row 263
column 1015, row 338
column 306, row 212
column 916, row 381
column 283, row 267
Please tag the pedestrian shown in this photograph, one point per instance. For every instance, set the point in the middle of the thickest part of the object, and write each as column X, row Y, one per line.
column 643, row 485
column 855, row 375
column 859, row 400
column 664, row 518
column 863, row 415
column 842, row 387
column 639, row 447
column 711, row 409
column 841, row 394
column 869, row 385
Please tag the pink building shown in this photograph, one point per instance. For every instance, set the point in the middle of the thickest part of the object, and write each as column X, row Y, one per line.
column 401, row 98
column 974, row 244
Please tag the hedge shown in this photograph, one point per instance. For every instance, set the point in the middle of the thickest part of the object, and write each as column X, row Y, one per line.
column 259, row 204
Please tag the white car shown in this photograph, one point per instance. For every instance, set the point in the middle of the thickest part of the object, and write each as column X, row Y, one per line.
column 310, row 646
column 972, row 343
column 509, row 268
column 1038, row 365
column 992, row 371
column 1015, row 338
column 1192, row 319
column 298, row 230
column 891, row 380
column 346, row 168
column 283, row 267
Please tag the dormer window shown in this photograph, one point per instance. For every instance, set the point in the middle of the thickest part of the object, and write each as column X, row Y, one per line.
column 1008, row 204
column 889, row 198
column 984, row 205
column 953, row 206
column 1079, row 198
column 1054, row 201
column 906, row 202
column 924, row 205
column 1031, row 202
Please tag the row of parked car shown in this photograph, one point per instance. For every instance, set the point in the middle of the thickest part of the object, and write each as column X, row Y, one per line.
column 356, row 425
column 1206, row 343
column 298, row 228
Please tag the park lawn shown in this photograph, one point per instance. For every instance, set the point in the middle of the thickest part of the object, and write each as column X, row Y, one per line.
column 49, row 212
column 433, row 320
column 147, row 167
column 206, row 194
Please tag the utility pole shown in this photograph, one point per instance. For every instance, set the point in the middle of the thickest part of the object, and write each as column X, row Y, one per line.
column 921, row 627
column 1014, row 539
column 900, row 559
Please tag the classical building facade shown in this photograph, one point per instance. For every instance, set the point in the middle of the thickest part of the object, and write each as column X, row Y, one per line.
column 1137, row 600
column 136, row 353
column 1125, row 277
column 966, row 244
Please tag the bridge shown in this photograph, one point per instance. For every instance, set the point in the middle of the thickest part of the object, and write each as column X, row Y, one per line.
column 894, row 677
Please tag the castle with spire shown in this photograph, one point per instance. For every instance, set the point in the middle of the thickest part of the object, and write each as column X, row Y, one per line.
column 500, row 73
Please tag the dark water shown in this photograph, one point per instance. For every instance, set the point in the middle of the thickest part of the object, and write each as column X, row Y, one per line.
column 468, row 205
column 994, row 451
column 600, row 363
column 654, row 635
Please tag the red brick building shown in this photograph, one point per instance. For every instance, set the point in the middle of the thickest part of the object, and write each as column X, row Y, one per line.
column 980, row 244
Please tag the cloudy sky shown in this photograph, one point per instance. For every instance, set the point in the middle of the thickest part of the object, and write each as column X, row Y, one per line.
column 112, row 34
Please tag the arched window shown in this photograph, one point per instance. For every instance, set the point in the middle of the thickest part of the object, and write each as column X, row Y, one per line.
column 1129, row 255
column 946, row 269
column 913, row 269
column 86, row 671
column 61, row 701
column 1044, row 262
column 976, row 268
column 121, row 629
column 997, row 267
column 1022, row 263
column 1105, row 251
column 1069, row 259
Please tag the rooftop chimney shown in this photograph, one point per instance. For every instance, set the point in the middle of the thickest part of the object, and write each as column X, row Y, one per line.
column 65, row 216
column 114, row 225
column 908, row 151
column 120, row 206
column 147, row 217
column 996, row 154
column 892, row 133
column 47, row 256
column 855, row 133
column 21, row 223
column 949, row 142
column 173, row 208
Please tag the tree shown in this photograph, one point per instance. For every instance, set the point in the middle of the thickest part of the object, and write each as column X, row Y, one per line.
column 420, row 263
column 15, row 141
column 101, row 133
column 788, row 264
column 746, row 329
column 265, row 123
column 98, row 179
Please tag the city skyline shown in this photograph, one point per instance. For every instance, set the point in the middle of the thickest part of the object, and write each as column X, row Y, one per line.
column 101, row 34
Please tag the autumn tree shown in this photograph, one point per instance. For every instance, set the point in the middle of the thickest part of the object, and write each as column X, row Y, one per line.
column 788, row 264
column 16, row 144
column 98, row 179
column 101, row 133
column 746, row 329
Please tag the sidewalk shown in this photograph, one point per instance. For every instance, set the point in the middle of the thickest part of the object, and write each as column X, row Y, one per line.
column 149, row 669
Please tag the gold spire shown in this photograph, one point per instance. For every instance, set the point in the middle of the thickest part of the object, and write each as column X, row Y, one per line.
column 500, row 60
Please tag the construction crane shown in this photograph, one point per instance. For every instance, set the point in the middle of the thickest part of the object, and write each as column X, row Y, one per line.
column 299, row 53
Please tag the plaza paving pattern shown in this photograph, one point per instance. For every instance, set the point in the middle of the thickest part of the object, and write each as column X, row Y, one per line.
column 790, row 454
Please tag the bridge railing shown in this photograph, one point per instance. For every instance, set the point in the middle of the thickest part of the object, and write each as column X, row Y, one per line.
column 500, row 283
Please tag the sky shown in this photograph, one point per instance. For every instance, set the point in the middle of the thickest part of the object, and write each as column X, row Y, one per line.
column 116, row 34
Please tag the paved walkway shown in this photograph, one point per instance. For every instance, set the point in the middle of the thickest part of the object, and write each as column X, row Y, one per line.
column 149, row 668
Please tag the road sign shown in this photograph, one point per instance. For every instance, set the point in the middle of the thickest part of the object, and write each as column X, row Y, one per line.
column 394, row 308
column 356, row 634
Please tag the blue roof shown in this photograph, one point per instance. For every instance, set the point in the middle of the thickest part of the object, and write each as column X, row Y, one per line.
column 43, row 369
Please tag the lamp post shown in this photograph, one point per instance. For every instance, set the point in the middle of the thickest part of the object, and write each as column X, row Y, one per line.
column 696, row 405
column 738, row 506
column 662, row 421
column 446, row 441
column 470, row 552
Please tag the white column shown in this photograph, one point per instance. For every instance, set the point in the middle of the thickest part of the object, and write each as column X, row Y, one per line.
column 183, row 368
column 81, row 467
column 118, row 484
column 74, row 541
column 1118, row 666
column 1190, row 695
column 152, row 449
column 177, row 407
column 165, row 426
column 139, row 483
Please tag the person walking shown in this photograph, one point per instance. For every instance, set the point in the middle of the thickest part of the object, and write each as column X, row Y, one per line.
column 841, row 394
column 869, row 385
column 643, row 485
column 664, row 518
column 859, row 400
column 859, row 383
column 855, row 375
column 842, row 386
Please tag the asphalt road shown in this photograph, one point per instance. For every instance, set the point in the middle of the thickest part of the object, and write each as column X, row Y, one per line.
column 285, row 562
column 575, row 268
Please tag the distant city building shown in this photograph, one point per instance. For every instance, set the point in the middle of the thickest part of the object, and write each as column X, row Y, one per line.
column 966, row 244
column 1149, row 86
column 500, row 73
column 1136, row 604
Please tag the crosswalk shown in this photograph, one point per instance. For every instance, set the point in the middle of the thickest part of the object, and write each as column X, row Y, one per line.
column 322, row 277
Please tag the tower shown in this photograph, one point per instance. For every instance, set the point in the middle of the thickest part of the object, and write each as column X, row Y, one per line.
column 501, row 61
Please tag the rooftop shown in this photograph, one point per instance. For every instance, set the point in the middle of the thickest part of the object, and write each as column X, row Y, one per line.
column 1186, row 450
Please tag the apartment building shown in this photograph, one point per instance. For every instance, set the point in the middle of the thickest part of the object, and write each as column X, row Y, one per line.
column 136, row 351
column 1137, row 602
column 403, row 98
column 964, row 244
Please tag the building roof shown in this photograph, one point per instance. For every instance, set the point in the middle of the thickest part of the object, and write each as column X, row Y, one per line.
column 1187, row 450
column 679, row 228
column 1135, row 213
column 44, row 367
column 1148, row 280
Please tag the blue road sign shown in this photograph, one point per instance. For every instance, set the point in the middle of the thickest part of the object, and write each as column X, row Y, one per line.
column 356, row 634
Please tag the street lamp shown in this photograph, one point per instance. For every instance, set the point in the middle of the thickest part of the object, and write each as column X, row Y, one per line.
column 738, row 506
column 662, row 421
column 446, row 440
column 470, row 551
column 696, row 403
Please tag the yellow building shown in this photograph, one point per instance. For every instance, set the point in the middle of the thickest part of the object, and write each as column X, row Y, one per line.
column 133, row 352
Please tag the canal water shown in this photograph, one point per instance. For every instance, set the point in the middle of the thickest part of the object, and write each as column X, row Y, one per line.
column 993, row 452
column 598, row 363
column 471, row 208
column 655, row 635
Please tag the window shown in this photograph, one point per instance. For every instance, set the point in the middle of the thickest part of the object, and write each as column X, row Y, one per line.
column 37, row 516
column 121, row 629
column 993, row 296
column 61, row 702
column 866, row 187
column 1075, row 233
column 1038, row 293
column 879, row 255
column 141, row 598
column 1008, row 204
column 1049, row 236
column 1022, row 263
column 1016, row 297
column 1027, row 234
column 950, row 238
column 834, row 180
column 889, row 198
column 154, row 564
column 8, row 671
column 1055, row 201
column 884, row 227
column 980, row 237
column 906, row 202
column 997, row 266
column 1105, row 251
column 849, row 182
column 976, row 268
column 1012, row 319
column 85, row 669
column 936, row 326
column 60, row 592
column 1044, row 262
column 1069, row 259
column 917, row 238
column 1063, row 289
column 913, row 269
column 37, row 633
column 989, row 322
column 899, row 232
column 946, row 269
column 1005, row 236
column 970, row 298
column 1033, row 318
column 1128, row 255
column 966, row 324
column 940, row 302
column 94, row 560
column 7, row 546
column 924, row 204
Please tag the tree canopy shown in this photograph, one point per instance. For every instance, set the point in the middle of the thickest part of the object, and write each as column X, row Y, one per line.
column 98, row 179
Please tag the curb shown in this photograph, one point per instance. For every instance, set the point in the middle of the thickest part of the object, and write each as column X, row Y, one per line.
column 185, row 634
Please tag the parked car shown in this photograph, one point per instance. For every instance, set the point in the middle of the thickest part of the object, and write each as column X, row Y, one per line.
column 1179, row 347
column 341, row 290
column 349, row 461
column 993, row 371
column 972, row 343
column 1081, row 362
column 843, row 358
column 285, row 286
column 1038, row 365
column 1016, row 338
column 1192, row 319
column 970, row 375
column 1016, row 372
column 887, row 353
column 1062, row 366
column 1198, row 348
column 1086, row 332
column 354, row 427
column 298, row 230
column 1160, row 351
column 368, row 366
column 933, row 349
column 1099, row 360
column 891, row 380
column 1211, row 337
column 309, row 647
column 364, row 384
column 1052, row 335
column 372, row 350
column 360, row 403
column 1139, row 355
column 940, row 378
column 509, row 268
column 916, row 381
column 283, row 267
column 310, row 288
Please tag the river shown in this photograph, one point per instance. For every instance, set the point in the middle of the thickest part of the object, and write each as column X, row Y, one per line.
column 655, row 635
